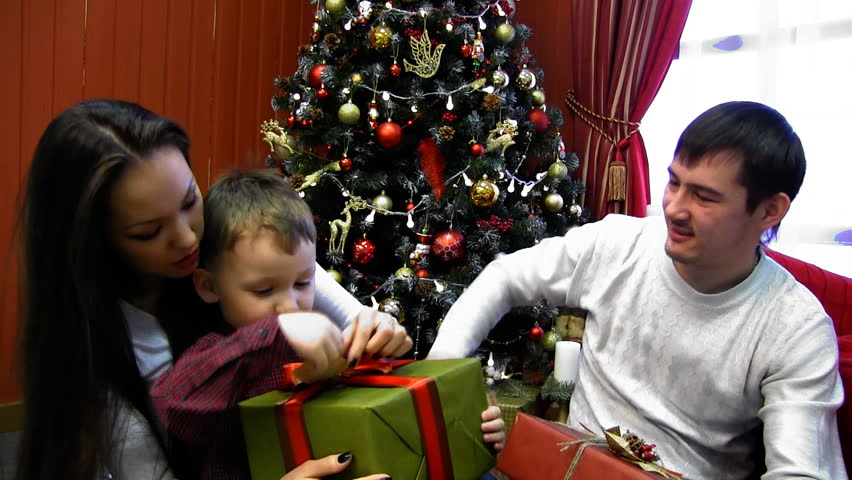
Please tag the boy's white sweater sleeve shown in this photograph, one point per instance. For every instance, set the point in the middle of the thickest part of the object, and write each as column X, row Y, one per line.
column 334, row 300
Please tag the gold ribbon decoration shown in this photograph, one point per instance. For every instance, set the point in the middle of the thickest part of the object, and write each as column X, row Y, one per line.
column 620, row 447
column 617, row 174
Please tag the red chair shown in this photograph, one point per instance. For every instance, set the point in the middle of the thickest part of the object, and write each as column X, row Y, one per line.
column 835, row 293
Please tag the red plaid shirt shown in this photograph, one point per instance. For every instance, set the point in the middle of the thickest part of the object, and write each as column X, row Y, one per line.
column 196, row 400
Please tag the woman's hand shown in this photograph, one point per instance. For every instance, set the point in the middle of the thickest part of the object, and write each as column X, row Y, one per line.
column 375, row 333
column 316, row 469
column 318, row 341
column 493, row 427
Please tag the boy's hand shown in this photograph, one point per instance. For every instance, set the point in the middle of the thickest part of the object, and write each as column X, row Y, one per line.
column 318, row 341
column 375, row 333
column 493, row 427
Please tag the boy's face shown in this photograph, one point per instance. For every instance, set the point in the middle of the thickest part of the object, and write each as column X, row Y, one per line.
column 705, row 210
column 257, row 279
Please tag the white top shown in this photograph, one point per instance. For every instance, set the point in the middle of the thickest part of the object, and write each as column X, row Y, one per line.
column 138, row 455
column 693, row 373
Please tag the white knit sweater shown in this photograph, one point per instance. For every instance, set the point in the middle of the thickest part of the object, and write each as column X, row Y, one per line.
column 693, row 373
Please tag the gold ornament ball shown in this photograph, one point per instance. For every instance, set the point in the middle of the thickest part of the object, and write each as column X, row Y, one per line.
column 393, row 307
column 383, row 202
column 404, row 272
column 500, row 78
column 553, row 202
column 576, row 210
column 505, row 33
column 548, row 341
column 558, row 170
column 335, row 7
column 484, row 193
column 357, row 78
column 349, row 113
column 335, row 275
column 380, row 37
column 525, row 79
column 538, row 97
column 281, row 152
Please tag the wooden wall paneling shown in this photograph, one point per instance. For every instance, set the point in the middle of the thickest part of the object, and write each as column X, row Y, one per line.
column 36, row 72
column 269, row 66
column 11, row 39
column 225, row 62
column 178, row 96
column 69, row 51
column 100, row 48
column 296, row 21
column 246, row 96
column 199, row 122
column 152, row 73
column 127, row 64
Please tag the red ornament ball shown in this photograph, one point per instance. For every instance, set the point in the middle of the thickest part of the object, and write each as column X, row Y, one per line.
column 322, row 93
column 448, row 245
column 409, row 206
column 315, row 75
column 539, row 120
column 477, row 150
column 536, row 332
column 422, row 273
column 345, row 164
column 306, row 122
column 389, row 135
column 291, row 121
column 395, row 70
column 449, row 117
column 363, row 251
column 466, row 50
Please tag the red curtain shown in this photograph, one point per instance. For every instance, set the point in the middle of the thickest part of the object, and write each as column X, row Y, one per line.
column 622, row 52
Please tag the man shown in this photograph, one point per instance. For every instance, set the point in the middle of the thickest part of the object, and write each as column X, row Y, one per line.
column 696, row 345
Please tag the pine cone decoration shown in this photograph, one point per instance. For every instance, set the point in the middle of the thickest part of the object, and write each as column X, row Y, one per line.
column 634, row 441
column 296, row 180
column 492, row 102
column 447, row 133
column 331, row 40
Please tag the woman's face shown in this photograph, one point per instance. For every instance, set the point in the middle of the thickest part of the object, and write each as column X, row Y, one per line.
column 157, row 215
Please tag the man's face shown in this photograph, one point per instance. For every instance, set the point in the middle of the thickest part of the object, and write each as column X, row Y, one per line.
column 257, row 279
column 705, row 211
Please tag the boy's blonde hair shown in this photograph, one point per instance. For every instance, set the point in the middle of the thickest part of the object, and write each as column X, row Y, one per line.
column 246, row 202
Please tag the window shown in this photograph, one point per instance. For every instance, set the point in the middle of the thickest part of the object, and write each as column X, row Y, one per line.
column 795, row 56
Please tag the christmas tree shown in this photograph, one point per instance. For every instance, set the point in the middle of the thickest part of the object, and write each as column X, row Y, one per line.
column 419, row 135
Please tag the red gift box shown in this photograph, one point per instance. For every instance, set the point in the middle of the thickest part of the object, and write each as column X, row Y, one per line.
column 533, row 451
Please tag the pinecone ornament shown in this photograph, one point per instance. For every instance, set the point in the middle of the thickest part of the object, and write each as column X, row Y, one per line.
column 492, row 102
column 447, row 133
column 296, row 180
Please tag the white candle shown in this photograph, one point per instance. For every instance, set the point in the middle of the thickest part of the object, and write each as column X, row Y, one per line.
column 567, row 361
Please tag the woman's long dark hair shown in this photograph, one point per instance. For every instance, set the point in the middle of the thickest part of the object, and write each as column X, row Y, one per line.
column 78, row 359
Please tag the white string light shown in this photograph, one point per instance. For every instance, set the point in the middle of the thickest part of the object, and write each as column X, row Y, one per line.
column 387, row 95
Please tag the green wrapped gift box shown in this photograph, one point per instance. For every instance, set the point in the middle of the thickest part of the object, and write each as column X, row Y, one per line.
column 379, row 425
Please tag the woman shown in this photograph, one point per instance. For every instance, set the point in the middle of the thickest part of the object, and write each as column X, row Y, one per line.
column 108, row 304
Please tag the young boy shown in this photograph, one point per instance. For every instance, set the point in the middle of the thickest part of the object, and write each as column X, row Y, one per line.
column 258, row 263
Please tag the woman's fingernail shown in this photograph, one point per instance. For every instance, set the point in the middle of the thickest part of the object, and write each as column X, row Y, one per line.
column 353, row 362
column 344, row 457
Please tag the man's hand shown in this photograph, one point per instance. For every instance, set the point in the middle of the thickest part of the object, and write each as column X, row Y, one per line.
column 318, row 341
column 316, row 469
column 375, row 333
